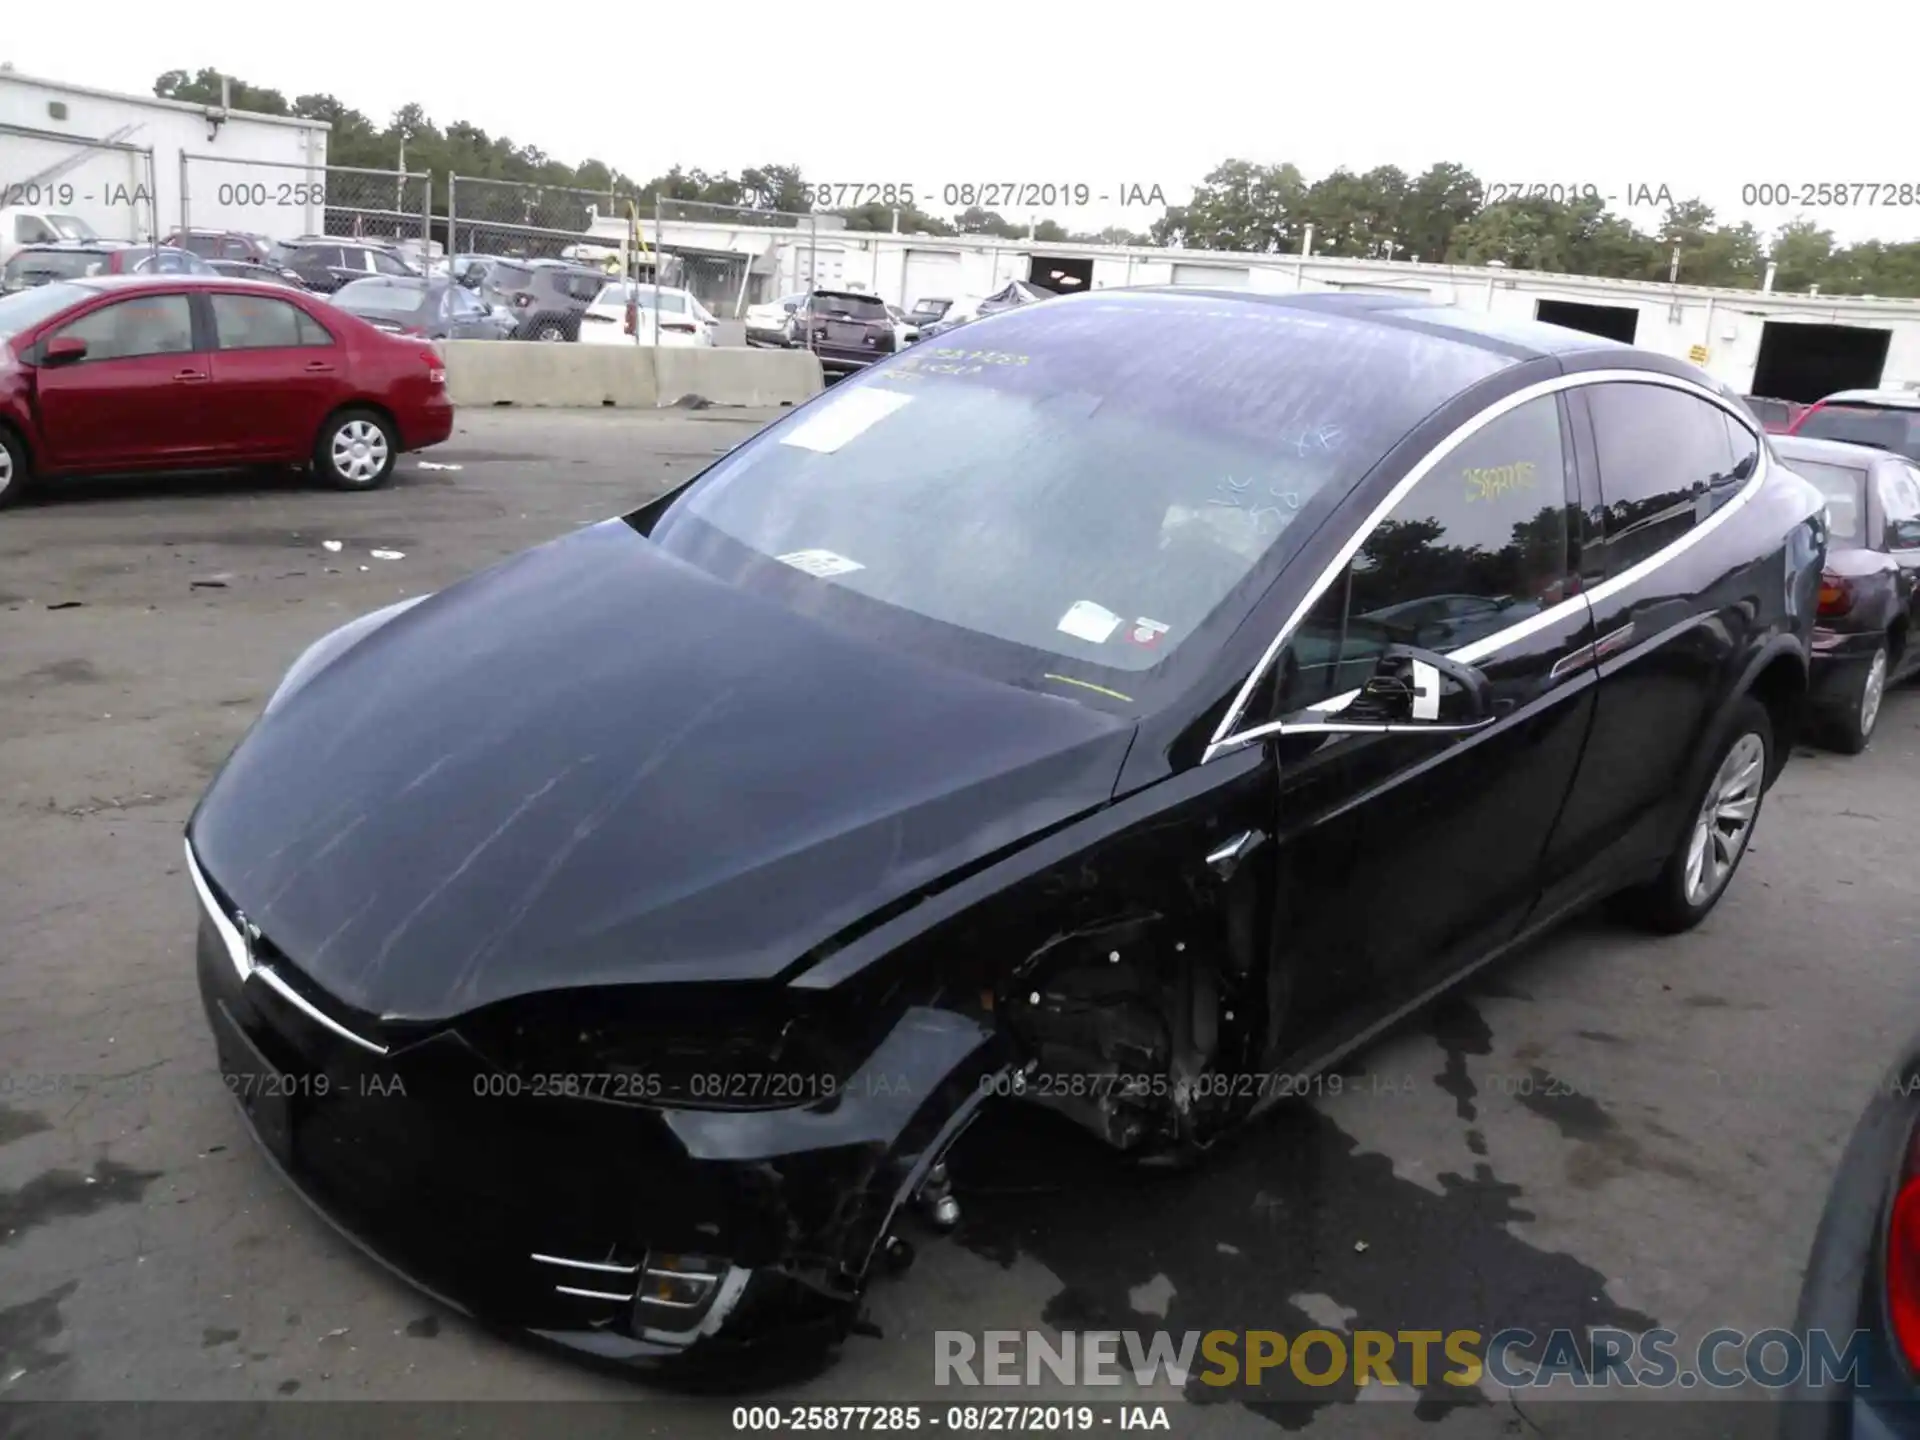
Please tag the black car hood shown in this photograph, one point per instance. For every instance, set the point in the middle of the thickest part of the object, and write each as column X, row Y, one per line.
column 595, row 764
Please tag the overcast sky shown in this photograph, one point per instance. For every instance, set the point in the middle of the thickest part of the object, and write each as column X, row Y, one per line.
column 1618, row 96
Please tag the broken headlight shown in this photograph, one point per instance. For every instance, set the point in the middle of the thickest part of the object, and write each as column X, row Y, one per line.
column 711, row 1047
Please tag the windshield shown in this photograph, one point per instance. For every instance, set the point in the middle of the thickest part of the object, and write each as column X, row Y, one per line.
column 1884, row 427
column 71, row 227
column 1846, row 492
column 25, row 309
column 36, row 267
column 1090, row 481
column 381, row 294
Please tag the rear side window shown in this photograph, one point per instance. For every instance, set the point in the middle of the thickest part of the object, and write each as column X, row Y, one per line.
column 1899, row 504
column 210, row 245
column 1479, row 544
column 1666, row 460
column 854, row 307
column 508, row 277
column 1885, row 427
column 1846, row 492
column 583, row 287
column 258, row 322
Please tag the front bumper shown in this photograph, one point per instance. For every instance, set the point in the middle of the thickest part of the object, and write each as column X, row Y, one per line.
column 537, row 1211
column 1837, row 666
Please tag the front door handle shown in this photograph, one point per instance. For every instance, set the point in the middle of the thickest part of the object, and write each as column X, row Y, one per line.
column 185, row 376
column 319, row 367
column 1225, row 859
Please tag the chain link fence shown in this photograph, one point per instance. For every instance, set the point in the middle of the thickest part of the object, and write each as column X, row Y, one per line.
column 734, row 257
column 283, row 200
column 523, row 221
column 107, row 184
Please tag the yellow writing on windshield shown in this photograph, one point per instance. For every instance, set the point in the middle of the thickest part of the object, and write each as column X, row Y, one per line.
column 1488, row 481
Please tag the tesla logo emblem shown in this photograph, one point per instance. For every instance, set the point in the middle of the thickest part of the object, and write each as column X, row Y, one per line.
column 249, row 936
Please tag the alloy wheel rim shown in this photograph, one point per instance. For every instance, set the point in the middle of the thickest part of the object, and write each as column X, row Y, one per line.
column 6, row 469
column 1725, row 821
column 1875, row 688
column 359, row 450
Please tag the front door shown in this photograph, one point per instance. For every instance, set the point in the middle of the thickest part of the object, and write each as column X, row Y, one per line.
column 137, row 398
column 1442, row 832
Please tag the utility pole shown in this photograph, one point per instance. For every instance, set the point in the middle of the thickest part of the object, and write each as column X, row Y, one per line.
column 1673, row 270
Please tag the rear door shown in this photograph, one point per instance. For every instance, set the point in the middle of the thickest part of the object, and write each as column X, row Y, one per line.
column 1896, row 499
column 1660, row 461
column 277, row 373
column 139, row 397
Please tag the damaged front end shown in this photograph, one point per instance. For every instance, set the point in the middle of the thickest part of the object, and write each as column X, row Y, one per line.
column 646, row 1203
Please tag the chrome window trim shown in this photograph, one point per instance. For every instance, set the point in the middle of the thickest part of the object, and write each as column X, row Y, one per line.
column 1225, row 738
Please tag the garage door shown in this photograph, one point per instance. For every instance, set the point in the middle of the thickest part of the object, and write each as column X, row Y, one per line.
column 931, row 274
column 1219, row 276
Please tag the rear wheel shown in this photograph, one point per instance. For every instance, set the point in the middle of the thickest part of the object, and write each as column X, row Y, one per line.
column 1719, row 825
column 355, row 451
column 1852, row 725
column 13, row 468
column 550, row 331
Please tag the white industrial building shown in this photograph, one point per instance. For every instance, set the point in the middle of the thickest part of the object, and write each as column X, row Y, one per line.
column 1793, row 346
column 116, row 160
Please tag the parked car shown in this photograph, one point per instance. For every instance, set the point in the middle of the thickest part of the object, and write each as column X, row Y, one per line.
column 847, row 329
column 1860, row 1294
column 224, row 244
column 37, row 225
column 325, row 263
column 1860, row 642
column 1884, row 419
column 250, row 270
column 32, row 265
column 1776, row 415
column 547, row 296
column 624, row 314
column 1077, row 753
column 185, row 372
column 905, row 330
column 929, row 310
column 471, row 269
column 426, row 309
column 767, row 323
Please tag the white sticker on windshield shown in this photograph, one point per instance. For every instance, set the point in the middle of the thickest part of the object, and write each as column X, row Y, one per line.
column 822, row 563
column 845, row 417
column 1088, row 621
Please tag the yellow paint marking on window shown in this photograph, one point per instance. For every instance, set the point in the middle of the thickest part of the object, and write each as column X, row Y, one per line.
column 1487, row 481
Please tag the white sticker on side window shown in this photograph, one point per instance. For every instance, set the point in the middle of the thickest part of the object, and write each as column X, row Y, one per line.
column 822, row 563
column 1090, row 622
column 843, row 418
column 1426, row 691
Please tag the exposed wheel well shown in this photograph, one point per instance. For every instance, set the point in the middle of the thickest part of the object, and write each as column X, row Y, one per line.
column 1782, row 688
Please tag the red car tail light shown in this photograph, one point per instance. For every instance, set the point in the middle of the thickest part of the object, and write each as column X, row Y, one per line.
column 436, row 368
column 1903, row 1261
column 522, row 300
column 1836, row 595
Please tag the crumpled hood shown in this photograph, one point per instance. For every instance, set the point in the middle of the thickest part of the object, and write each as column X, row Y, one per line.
column 596, row 764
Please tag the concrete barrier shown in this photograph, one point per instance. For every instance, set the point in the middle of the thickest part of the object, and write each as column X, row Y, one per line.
column 508, row 372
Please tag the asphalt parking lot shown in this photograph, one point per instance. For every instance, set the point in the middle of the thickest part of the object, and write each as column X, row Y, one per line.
column 1607, row 1130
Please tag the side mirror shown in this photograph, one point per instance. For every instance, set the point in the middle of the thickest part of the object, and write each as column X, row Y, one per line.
column 1411, row 692
column 64, row 350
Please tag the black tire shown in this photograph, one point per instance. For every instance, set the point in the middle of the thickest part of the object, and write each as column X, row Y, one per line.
column 1670, row 903
column 336, row 461
column 550, row 330
column 15, row 474
column 1849, row 729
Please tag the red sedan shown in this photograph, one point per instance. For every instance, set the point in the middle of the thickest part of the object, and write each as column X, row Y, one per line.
column 119, row 374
